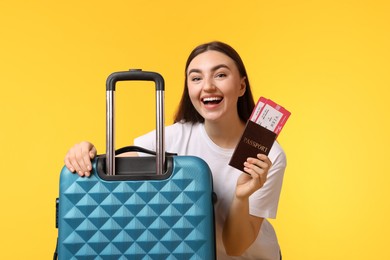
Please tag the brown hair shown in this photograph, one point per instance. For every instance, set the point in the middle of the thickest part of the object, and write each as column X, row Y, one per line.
column 186, row 112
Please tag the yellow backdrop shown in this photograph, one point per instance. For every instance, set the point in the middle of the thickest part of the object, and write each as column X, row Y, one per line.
column 326, row 61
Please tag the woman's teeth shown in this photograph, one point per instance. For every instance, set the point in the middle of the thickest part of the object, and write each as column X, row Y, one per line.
column 213, row 100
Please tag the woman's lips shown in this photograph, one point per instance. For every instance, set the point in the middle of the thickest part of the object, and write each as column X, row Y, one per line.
column 211, row 100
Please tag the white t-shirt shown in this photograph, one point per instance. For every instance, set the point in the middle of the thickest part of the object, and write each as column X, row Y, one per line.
column 192, row 139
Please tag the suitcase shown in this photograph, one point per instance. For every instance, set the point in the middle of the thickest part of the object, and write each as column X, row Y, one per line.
column 158, row 206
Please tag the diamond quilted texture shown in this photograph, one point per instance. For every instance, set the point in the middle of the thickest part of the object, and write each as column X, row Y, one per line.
column 183, row 228
column 111, row 250
column 99, row 216
column 147, row 216
column 74, row 217
column 86, row 229
column 98, row 242
column 147, row 241
column 86, row 204
column 171, row 215
column 86, row 252
column 86, row 184
column 135, row 228
column 135, row 251
column 111, row 229
column 122, row 216
column 159, row 227
column 122, row 191
column 159, row 251
column 182, row 203
column 73, row 243
column 122, row 241
column 74, row 192
column 156, row 219
column 158, row 203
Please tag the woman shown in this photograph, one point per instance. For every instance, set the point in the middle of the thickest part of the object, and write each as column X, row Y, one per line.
column 215, row 105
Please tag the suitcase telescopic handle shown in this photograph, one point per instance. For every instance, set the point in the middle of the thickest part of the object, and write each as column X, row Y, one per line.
column 134, row 75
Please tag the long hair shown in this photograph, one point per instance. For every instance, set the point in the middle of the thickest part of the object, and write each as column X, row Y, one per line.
column 186, row 112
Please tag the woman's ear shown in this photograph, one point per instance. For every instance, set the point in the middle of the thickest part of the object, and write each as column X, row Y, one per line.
column 242, row 86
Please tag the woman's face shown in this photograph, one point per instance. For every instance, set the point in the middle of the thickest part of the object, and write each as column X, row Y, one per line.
column 214, row 86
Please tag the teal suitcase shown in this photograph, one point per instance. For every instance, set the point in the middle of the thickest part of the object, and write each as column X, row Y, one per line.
column 147, row 207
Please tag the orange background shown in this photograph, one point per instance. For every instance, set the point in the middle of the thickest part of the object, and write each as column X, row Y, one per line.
column 325, row 61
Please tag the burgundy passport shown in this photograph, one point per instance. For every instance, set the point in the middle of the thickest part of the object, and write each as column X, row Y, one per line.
column 255, row 139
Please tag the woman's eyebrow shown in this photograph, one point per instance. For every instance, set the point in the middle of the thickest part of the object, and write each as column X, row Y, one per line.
column 212, row 69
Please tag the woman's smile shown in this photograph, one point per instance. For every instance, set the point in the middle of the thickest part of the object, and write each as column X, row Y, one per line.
column 214, row 86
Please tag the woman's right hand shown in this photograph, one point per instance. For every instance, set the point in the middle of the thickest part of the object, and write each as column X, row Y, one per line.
column 78, row 159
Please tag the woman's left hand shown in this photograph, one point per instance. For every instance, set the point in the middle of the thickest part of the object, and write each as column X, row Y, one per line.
column 256, row 170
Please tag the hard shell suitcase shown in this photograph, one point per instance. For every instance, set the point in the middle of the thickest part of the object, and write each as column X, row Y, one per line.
column 147, row 207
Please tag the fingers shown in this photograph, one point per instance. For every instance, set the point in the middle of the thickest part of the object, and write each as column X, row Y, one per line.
column 92, row 152
column 258, row 168
column 78, row 158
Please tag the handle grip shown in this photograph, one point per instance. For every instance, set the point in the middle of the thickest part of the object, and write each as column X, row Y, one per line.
column 135, row 75
column 138, row 149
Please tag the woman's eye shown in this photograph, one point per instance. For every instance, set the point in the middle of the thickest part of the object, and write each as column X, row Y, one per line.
column 195, row 78
column 221, row 75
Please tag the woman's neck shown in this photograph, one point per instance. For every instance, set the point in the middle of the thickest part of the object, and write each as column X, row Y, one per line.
column 225, row 134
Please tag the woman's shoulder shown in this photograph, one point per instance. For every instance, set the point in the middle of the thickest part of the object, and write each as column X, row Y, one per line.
column 175, row 135
column 181, row 128
column 183, row 125
column 174, row 131
column 180, row 136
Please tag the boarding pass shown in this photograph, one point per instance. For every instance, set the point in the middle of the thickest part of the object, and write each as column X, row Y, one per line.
column 269, row 115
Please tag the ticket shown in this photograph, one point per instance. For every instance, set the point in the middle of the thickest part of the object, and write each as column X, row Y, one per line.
column 256, row 111
column 270, row 115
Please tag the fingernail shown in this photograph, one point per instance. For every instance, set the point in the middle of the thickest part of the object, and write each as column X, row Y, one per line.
column 71, row 169
column 89, row 167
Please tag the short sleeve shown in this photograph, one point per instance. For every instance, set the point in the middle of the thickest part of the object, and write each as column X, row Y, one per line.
column 264, row 202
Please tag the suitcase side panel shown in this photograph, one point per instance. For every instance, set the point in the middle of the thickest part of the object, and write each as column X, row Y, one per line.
column 154, row 219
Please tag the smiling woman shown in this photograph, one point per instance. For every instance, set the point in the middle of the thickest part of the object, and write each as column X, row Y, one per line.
column 215, row 105
column 245, row 103
column 214, row 86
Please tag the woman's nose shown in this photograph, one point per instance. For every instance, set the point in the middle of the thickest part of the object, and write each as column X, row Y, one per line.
column 209, row 85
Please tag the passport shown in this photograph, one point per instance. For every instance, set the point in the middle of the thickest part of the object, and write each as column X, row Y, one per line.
column 254, row 140
column 261, row 130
